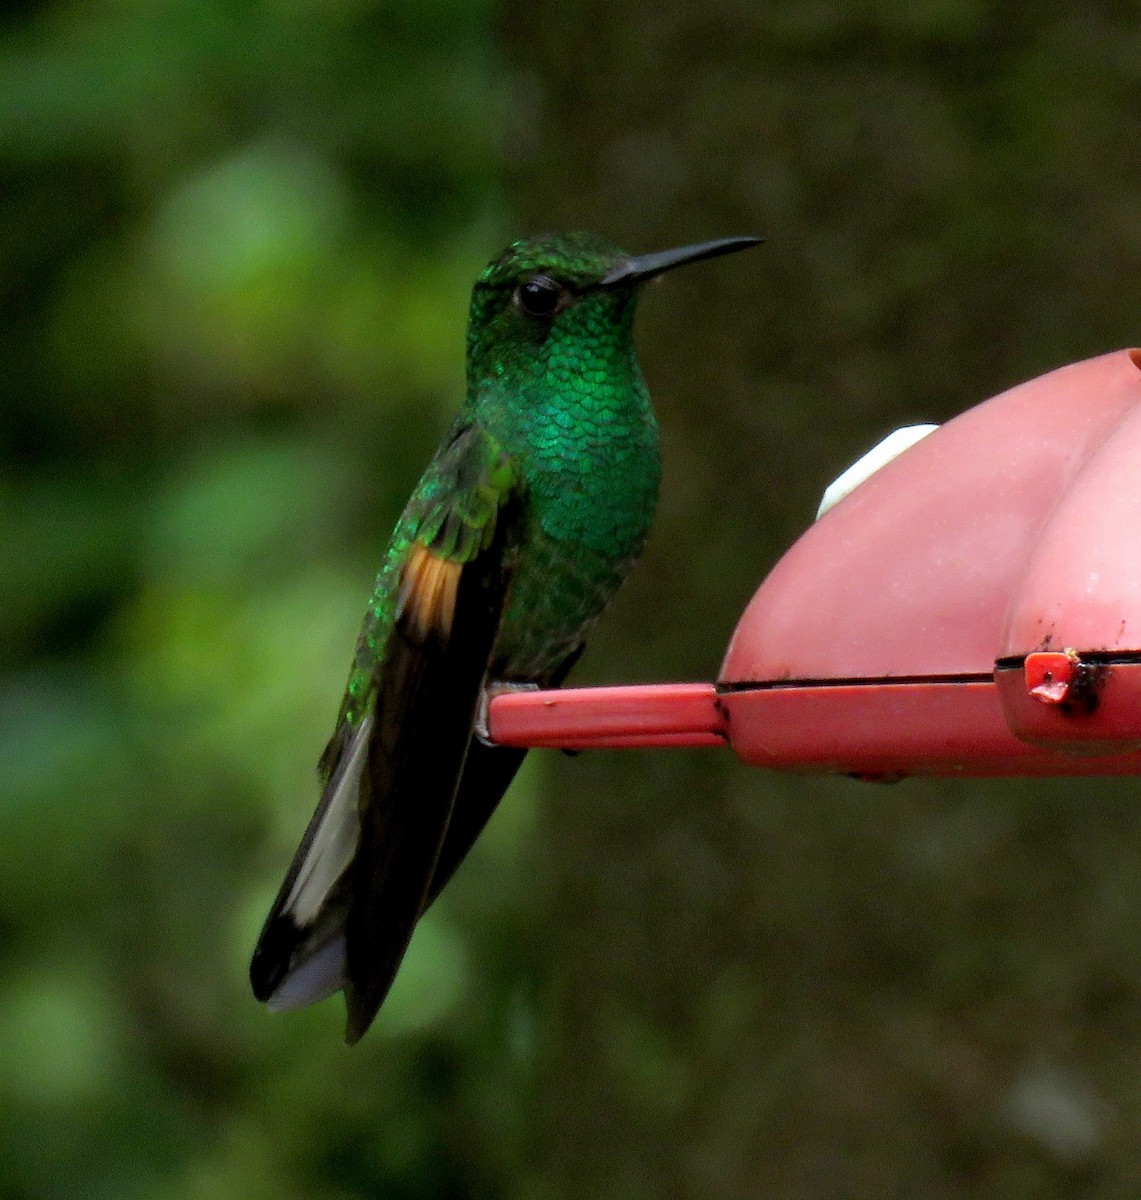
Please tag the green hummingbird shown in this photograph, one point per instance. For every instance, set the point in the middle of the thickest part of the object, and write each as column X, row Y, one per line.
column 516, row 538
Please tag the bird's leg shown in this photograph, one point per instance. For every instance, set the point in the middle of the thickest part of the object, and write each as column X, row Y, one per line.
column 499, row 687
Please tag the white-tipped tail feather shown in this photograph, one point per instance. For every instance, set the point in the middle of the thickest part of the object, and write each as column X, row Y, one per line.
column 300, row 957
column 323, row 857
column 318, row 976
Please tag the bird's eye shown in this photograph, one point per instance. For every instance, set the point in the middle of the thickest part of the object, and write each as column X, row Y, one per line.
column 539, row 296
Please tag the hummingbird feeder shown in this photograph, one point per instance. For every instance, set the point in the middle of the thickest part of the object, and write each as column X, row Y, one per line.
column 972, row 606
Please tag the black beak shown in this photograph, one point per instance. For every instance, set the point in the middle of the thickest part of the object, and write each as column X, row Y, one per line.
column 647, row 266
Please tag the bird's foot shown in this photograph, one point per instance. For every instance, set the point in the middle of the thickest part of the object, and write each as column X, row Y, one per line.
column 500, row 687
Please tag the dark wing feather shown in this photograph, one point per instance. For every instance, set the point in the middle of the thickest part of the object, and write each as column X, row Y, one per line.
column 488, row 773
column 360, row 878
column 425, row 710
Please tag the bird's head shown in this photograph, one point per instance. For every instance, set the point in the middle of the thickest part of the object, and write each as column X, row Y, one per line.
column 551, row 301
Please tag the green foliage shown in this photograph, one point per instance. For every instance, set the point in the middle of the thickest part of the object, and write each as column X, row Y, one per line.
column 238, row 245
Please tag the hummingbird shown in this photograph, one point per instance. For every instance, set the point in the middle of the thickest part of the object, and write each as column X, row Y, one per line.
column 519, row 533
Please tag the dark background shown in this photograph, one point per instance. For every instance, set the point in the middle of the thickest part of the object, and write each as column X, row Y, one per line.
column 235, row 251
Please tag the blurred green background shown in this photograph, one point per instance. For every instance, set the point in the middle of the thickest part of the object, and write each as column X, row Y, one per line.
column 235, row 252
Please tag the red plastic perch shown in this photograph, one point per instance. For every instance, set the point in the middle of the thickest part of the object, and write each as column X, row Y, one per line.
column 974, row 608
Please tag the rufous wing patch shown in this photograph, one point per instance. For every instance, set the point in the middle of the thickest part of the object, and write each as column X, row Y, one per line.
column 426, row 605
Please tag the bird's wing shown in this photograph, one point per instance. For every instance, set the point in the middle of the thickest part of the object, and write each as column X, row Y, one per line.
column 488, row 772
column 359, row 881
